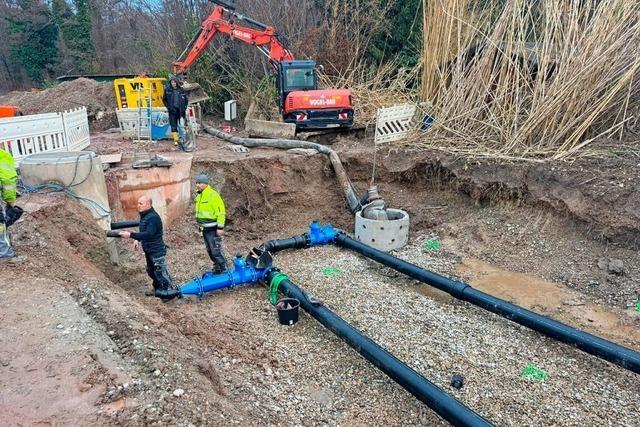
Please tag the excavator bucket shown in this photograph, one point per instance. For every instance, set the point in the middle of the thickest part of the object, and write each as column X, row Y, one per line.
column 256, row 127
column 194, row 92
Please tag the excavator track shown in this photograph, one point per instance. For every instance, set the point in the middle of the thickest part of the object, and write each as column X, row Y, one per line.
column 330, row 136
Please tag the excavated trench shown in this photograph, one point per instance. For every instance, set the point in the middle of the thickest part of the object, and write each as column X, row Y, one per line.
column 226, row 360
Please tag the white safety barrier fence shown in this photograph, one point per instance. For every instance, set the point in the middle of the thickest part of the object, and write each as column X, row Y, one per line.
column 394, row 123
column 45, row 133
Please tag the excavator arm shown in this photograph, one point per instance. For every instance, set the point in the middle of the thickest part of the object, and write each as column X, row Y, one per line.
column 263, row 37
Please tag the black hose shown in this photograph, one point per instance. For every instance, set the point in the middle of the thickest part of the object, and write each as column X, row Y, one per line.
column 341, row 175
column 248, row 20
column 443, row 404
column 277, row 245
column 124, row 224
column 596, row 346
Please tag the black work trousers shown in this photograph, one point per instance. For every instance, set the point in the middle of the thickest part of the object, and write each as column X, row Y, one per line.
column 5, row 245
column 158, row 271
column 215, row 250
column 174, row 119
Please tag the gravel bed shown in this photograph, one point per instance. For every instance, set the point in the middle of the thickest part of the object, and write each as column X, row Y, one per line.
column 437, row 339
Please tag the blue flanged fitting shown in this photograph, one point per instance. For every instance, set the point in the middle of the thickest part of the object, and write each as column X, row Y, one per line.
column 242, row 274
column 321, row 234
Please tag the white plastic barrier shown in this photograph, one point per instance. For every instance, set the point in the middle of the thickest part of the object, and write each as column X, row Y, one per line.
column 76, row 128
column 45, row 133
column 130, row 118
column 394, row 123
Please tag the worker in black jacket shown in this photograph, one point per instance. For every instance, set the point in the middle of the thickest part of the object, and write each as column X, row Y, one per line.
column 176, row 101
column 155, row 251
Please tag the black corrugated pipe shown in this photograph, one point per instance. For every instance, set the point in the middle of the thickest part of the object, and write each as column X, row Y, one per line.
column 443, row 404
column 596, row 346
column 124, row 224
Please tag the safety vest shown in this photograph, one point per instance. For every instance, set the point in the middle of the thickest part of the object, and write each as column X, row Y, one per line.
column 209, row 207
column 8, row 177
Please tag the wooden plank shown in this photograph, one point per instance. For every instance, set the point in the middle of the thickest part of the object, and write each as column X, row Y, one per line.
column 111, row 158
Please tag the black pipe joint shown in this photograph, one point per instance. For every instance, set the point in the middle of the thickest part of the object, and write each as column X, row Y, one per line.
column 124, row 224
column 458, row 289
column 295, row 242
column 167, row 294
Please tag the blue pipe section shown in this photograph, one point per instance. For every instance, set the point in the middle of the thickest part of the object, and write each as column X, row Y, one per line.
column 242, row 274
column 245, row 273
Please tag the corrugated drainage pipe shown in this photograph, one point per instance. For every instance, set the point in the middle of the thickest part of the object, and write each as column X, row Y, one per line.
column 592, row 344
column 442, row 403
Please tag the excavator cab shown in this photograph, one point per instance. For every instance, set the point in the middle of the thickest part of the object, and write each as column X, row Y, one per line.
column 299, row 75
column 302, row 103
column 292, row 76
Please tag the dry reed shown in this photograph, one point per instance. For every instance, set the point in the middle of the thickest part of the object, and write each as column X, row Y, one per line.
column 373, row 88
column 547, row 77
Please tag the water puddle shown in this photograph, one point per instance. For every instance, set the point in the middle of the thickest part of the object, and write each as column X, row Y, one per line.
column 431, row 292
column 524, row 290
column 546, row 298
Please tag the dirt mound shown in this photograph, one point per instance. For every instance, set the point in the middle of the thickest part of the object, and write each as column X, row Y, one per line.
column 98, row 98
column 128, row 367
column 601, row 194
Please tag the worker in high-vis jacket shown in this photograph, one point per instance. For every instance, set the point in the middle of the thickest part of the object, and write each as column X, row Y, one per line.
column 8, row 182
column 210, row 215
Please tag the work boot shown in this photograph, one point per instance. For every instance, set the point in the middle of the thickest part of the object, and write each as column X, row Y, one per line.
column 218, row 270
column 175, row 137
column 5, row 245
column 168, row 293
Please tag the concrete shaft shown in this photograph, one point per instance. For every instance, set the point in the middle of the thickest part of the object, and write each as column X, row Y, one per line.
column 168, row 187
column 384, row 235
column 80, row 171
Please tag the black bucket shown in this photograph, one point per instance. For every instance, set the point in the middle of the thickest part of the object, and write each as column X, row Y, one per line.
column 288, row 310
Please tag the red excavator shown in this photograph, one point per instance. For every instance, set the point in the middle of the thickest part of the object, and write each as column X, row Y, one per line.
column 299, row 99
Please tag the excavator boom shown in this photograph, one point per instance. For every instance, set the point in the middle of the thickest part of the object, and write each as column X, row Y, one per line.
column 264, row 38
